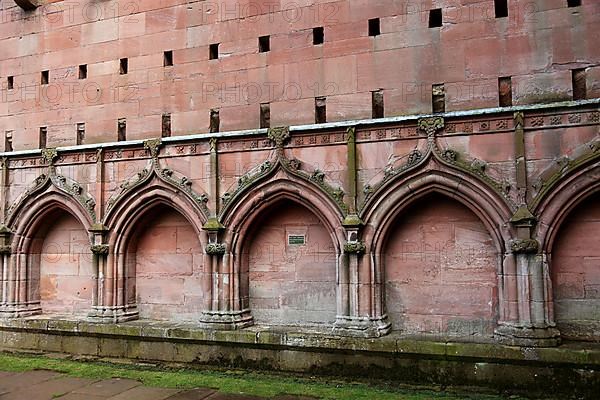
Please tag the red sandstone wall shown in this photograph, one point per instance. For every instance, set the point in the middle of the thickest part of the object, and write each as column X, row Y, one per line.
column 538, row 44
column 169, row 275
column 440, row 271
column 291, row 284
column 576, row 272
column 62, row 257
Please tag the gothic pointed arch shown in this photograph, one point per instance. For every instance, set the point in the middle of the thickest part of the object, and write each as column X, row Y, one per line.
column 443, row 171
column 562, row 187
column 56, row 186
column 280, row 187
column 294, row 203
column 26, row 218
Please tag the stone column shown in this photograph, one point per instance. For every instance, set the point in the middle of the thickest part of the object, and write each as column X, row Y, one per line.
column 226, row 308
column 355, row 286
column 5, row 257
column 108, row 301
column 527, row 318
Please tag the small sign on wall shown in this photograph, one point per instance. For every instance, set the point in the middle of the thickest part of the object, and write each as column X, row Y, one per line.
column 296, row 240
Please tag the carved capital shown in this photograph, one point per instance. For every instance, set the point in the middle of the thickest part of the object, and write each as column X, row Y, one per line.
column 215, row 249
column 524, row 246
column 431, row 125
column 100, row 249
column 5, row 249
column 279, row 136
column 354, row 247
column 49, row 155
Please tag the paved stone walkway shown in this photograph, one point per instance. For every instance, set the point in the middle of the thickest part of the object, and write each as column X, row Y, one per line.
column 48, row 385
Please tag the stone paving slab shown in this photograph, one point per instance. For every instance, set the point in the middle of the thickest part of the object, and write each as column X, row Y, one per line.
column 108, row 388
column 23, row 380
column 145, row 393
column 196, row 394
column 48, row 385
column 47, row 390
column 79, row 396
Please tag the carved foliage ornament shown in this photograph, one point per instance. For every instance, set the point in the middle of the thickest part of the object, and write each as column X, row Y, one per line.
column 526, row 246
column 279, row 136
column 49, row 156
column 100, row 249
column 216, row 249
column 354, row 247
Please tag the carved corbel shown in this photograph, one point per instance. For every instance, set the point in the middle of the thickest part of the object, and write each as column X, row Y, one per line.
column 100, row 249
column 49, row 156
column 5, row 240
column 524, row 246
column 354, row 247
column 279, row 136
column 215, row 249
column 153, row 147
column 431, row 125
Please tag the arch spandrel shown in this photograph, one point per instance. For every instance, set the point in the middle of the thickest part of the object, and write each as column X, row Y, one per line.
column 175, row 188
column 280, row 164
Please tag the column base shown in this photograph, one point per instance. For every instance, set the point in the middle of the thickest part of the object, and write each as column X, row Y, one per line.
column 20, row 310
column 527, row 336
column 227, row 320
column 114, row 314
column 362, row 327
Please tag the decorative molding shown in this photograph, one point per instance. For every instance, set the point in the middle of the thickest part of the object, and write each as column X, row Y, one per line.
column 293, row 166
column 65, row 185
column 167, row 175
column 354, row 247
column 100, row 249
column 215, row 249
column 446, row 156
column 524, row 246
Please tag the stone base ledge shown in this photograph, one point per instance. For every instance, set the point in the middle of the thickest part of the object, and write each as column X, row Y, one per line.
column 572, row 369
column 580, row 354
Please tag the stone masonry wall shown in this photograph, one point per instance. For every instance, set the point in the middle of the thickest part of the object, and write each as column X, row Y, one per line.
column 538, row 44
column 185, row 219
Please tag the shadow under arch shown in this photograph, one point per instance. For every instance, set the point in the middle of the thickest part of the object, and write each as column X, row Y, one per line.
column 254, row 204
